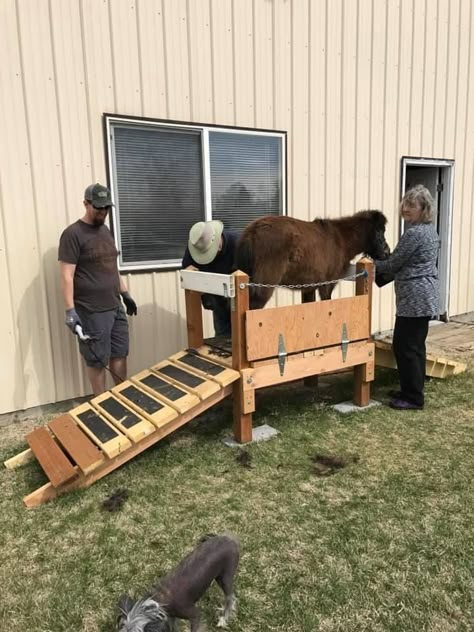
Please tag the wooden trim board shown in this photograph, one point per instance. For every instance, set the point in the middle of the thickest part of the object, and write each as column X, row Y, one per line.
column 19, row 459
column 327, row 362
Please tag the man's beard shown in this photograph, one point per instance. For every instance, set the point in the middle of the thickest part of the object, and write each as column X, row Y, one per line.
column 98, row 220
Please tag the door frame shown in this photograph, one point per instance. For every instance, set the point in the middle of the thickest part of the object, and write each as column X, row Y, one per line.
column 445, row 220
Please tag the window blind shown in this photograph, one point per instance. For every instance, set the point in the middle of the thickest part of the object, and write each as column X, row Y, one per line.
column 159, row 190
column 246, row 177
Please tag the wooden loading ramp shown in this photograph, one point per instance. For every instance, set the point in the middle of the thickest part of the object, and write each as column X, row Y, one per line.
column 436, row 366
column 81, row 446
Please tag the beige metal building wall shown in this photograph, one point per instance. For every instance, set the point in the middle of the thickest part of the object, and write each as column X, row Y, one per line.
column 357, row 84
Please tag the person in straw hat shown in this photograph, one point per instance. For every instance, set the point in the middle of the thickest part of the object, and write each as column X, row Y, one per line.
column 212, row 249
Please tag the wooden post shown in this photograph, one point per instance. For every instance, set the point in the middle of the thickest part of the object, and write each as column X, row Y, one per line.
column 194, row 318
column 240, row 304
column 364, row 285
column 309, row 296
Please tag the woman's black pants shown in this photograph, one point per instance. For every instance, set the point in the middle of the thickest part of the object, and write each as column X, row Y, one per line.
column 409, row 338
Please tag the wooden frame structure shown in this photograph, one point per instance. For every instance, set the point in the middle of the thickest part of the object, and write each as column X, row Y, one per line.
column 268, row 346
column 282, row 344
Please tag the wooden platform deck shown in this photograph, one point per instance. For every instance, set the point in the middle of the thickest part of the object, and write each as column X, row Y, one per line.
column 454, row 339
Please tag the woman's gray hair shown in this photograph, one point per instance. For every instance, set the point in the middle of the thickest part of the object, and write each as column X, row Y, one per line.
column 420, row 195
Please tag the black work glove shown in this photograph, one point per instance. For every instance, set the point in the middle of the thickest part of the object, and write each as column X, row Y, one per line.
column 129, row 304
column 72, row 319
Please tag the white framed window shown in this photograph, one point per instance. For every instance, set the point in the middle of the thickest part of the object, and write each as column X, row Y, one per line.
column 166, row 176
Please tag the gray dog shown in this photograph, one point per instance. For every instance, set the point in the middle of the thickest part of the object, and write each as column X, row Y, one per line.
column 216, row 557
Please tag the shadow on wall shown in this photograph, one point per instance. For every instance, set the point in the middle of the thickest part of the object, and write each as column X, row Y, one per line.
column 47, row 367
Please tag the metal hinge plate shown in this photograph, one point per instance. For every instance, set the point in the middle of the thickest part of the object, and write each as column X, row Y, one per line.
column 281, row 353
column 344, row 342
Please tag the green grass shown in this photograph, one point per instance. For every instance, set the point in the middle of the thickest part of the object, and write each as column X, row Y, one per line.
column 385, row 544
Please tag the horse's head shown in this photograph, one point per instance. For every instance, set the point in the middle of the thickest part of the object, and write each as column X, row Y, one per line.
column 376, row 246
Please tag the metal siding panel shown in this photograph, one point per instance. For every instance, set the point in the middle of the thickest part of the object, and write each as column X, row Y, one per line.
column 263, row 18
column 364, row 83
column 200, row 64
column 245, row 63
column 36, row 283
column 282, row 64
column 282, row 107
column 391, row 161
column 125, row 58
column 222, row 61
column 348, row 108
column 15, row 189
column 451, row 83
column 468, row 196
column 417, row 72
column 152, row 58
column 439, row 105
column 451, row 148
column 177, row 60
column 464, row 157
column 377, row 110
column 298, row 194
column 429, row 78
column 99, row 73
column 404, row 76
column 73, row 128
column 333, row 108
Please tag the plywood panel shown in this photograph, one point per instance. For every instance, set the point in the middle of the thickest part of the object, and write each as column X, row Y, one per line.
column 307, row 326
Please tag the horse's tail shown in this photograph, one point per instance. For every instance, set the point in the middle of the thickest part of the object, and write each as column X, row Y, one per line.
column 244, row 256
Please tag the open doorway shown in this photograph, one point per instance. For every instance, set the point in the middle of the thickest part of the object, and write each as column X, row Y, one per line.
column 438, row 177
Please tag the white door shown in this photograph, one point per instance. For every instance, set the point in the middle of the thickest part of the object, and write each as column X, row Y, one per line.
column 437, row 176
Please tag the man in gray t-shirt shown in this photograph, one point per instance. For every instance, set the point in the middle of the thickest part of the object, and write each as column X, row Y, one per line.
column 91, row 287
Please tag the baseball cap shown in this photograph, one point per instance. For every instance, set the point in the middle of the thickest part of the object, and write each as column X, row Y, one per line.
column 98, row 195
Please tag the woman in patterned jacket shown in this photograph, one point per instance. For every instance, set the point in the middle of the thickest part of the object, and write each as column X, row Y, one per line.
column 413, row 267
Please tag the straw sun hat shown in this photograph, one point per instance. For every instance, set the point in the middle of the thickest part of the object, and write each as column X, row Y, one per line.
column 204, row 241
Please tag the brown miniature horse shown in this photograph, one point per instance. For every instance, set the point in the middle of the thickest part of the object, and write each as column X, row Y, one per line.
column 286, row 251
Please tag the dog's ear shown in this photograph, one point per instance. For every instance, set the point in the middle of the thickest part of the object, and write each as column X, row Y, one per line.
column 125, row 604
